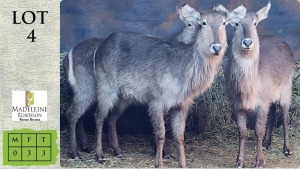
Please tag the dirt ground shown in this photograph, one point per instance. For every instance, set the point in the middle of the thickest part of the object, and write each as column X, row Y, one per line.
column 204, row 150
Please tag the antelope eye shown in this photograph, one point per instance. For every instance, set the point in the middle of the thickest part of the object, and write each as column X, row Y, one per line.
column 223, row 23
column 204, row 23
column 255, row 23
column 236, row 24
column 189, row 24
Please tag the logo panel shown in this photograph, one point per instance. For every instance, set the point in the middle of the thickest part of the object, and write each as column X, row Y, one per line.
column 29, row 105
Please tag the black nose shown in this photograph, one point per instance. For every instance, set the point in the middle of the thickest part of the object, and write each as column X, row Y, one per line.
column 217, row 48
column 247, row 42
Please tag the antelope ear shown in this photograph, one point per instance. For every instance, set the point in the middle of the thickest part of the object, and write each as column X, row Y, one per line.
column 179, row 12
column 235, row 15
column 220, row 8
column 190, row 14
column 263, row 12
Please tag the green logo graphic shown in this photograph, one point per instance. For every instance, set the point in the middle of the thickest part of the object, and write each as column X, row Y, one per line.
column 29, row 98
column 29, row 147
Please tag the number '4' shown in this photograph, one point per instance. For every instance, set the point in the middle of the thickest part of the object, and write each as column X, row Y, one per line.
column 31, row 36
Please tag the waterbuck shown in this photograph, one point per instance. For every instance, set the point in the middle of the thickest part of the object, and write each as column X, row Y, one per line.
column 259, row 75
column 135, row 68
column 80, row 72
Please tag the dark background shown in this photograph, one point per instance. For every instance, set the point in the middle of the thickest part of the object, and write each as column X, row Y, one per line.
column 83, row 19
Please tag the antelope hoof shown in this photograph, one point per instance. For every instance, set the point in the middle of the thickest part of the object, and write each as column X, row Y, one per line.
column 266, row 145
column 75, row 156
column 287, row 152
column 100, row 158
column 239, row 164
column 159, row 163
column 121, row 156
column 118, row 153
column 260, row 164
column 159, row 166
column 169, row 156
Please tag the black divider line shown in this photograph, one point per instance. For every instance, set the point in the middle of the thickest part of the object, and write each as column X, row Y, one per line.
column 50, row 147
column 36, row 146
column 8, row 146
column 21, row 148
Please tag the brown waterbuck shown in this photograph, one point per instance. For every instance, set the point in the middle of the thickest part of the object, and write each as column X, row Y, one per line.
column 135, row 68
column 80, row 72
column 259, row 75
